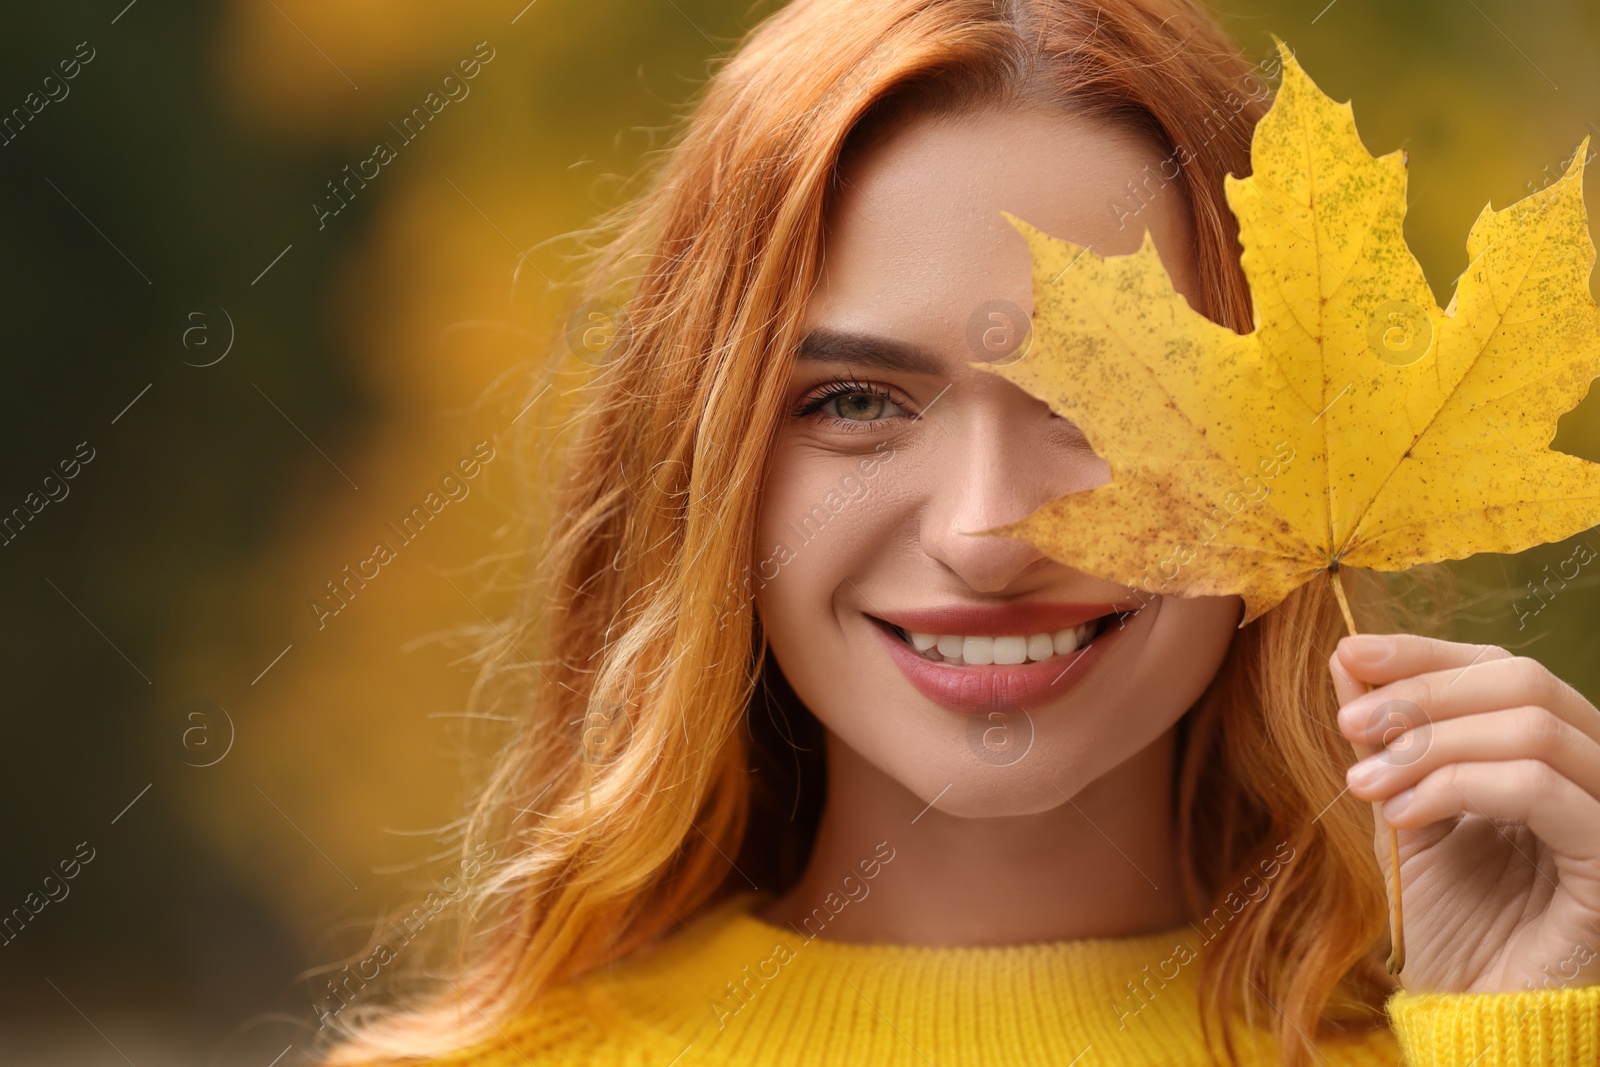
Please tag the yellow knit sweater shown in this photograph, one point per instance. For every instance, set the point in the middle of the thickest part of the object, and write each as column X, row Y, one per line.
column 731, row 989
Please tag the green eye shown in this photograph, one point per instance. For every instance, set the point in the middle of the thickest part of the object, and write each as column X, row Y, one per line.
column 842, row 401
column 859, row 407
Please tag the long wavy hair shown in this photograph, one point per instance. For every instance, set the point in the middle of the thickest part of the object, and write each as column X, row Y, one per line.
column 633, row 672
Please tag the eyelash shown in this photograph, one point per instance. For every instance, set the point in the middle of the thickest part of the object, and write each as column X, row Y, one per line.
column 837, row 387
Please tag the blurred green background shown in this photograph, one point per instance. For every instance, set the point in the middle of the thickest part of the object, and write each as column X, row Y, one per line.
column 253, row 784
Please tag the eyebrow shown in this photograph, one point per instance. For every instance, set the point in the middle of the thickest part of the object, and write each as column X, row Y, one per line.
column 825, row 345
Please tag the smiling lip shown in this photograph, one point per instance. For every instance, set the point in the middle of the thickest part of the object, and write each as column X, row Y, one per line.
column 1021, row 619
column 980, row 690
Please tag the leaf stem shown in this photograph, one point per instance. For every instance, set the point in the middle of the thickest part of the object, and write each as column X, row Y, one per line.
column 1344, row 604
column 1397, row 936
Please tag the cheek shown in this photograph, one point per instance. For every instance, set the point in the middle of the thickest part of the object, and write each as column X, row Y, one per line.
column 821, row 526
column 780, row 561
column 1191, row 642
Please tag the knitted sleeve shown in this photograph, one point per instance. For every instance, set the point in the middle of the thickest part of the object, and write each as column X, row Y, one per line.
column 1539, row 1028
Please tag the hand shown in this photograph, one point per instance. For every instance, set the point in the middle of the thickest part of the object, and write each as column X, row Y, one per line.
column 1490, row 771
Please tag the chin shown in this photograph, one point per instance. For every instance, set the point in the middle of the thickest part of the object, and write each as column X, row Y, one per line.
column 960, row 772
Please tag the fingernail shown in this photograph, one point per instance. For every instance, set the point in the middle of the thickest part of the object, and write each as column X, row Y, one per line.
column 1397, row 804
column 1364, row 773
column 1354, row 714
column 1371, row 649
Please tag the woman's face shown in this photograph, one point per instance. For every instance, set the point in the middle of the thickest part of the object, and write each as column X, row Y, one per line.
column 876, row 484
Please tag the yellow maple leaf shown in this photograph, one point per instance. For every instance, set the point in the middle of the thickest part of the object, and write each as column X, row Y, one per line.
column 1358, row 424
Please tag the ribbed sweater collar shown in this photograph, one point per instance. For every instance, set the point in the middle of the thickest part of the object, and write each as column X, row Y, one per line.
column 736, row 989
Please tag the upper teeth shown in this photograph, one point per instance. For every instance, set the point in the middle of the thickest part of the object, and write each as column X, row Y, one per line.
column 1002, row 649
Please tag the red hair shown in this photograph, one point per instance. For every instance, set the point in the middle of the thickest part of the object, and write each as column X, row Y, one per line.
column 635, row 615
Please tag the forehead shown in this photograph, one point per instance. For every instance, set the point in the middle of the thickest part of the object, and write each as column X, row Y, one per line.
column 915, row 241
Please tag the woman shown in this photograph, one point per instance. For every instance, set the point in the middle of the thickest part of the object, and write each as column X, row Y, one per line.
column 804, row 772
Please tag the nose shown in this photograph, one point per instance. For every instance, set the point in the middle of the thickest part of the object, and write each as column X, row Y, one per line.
column 1005, row 457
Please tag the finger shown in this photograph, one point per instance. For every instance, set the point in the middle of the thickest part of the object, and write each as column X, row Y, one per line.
column 1382, row 658
column 1527, row 732
column 1563, row 815
column 1488, row 685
